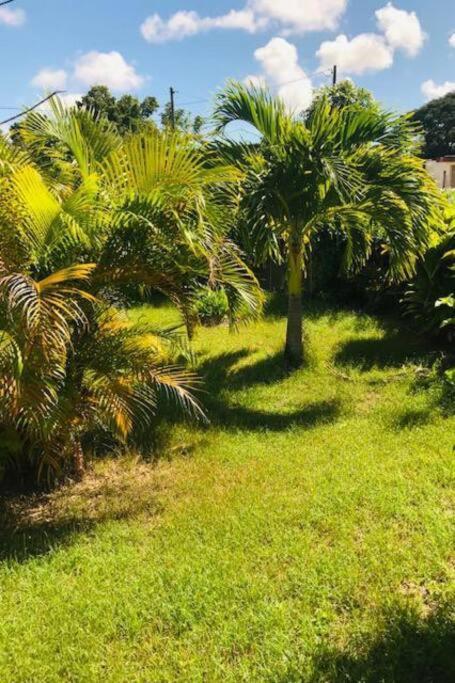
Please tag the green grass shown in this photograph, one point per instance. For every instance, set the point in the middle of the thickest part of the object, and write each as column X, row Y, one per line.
column 305, row 535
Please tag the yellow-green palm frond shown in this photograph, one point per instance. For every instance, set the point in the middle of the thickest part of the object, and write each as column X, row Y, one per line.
column 11, row 157
column 54, row 222
column 87, row 138
column 255, row 106
column 44, row 312
column 165, row 168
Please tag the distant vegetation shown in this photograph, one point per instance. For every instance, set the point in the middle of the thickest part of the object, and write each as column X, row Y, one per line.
column 438, row 121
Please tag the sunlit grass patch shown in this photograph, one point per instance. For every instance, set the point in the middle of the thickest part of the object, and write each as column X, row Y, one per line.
column 304, row 534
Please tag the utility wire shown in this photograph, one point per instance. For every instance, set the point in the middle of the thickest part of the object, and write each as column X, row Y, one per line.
column 35, row 106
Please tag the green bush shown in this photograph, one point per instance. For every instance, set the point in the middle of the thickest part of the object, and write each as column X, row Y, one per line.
column 211, row 306
column 428, row 296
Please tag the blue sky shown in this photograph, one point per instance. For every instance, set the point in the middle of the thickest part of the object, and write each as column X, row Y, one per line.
column 404, row 53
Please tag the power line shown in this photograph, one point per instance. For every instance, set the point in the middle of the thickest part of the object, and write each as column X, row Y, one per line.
column 35, row 106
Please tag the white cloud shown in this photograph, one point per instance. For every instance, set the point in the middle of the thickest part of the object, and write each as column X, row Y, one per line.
column 365, row 52
column 452, row 40
column 255, row 81
column 432, row 90
column 69, row 99
column 107, row 68
column 291, row 16
column 280, row 64
column 12, row 17
column 298, row 16
column 402, row 30
column 187, row 23
column 50, row 79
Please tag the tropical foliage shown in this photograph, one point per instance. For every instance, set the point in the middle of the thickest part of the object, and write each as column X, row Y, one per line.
column 79, row 223
column 348, row 169
column 428, row 297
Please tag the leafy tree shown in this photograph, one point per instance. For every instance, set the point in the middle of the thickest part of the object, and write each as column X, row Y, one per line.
column 438, row 122
column 351, row 169
column 182, row 119
column 142, row 209
column 127, row 113
column 345, row 94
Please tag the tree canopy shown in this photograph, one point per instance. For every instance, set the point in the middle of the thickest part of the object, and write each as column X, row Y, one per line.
column 345, row 94
column 438, row 121
column 127, row 113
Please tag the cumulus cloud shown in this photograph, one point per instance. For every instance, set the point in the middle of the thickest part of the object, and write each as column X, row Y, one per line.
column 433, row 90
column 69, row 99
column 452, row 40
column 188, row 23
column 255, row 81
column 107, row 68
column 365, row 52
column 291, row 16
column 12, row 17
column 297, row 17
column 50, row 79
column 279, row 60
column 399, row 30
column 402, row 30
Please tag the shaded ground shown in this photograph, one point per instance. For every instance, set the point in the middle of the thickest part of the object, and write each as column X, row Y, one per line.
column 305, row 535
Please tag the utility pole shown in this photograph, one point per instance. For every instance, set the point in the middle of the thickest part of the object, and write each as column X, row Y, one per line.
column 172, row 93
column 335, row 74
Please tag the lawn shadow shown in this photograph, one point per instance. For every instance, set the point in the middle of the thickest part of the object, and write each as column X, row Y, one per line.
column 393, row 350
column 218, row 372
column 412, row 649
column 227, row 415
column 219, row 376
column 411, row 419
column 35, row 525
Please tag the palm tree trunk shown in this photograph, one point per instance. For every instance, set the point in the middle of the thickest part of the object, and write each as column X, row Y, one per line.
column 78, row 460
column 294, row 333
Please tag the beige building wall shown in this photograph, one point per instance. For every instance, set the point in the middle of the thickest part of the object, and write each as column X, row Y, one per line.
column 443, row 172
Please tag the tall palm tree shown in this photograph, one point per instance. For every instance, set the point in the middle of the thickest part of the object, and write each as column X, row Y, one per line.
column 349, row 169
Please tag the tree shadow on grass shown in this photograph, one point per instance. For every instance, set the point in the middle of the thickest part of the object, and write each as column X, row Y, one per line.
column 219, row 374
column 412, row 649
column 219, row 377
column 393, row 350
column 35, row 525
column 230, row 416
column 411, row 419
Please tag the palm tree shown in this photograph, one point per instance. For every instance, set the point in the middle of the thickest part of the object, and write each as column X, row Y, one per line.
column 91, row 215
column 348, row 169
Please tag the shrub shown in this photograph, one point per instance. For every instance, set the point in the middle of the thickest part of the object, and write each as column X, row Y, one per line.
column 428, row 295
column 211, row 306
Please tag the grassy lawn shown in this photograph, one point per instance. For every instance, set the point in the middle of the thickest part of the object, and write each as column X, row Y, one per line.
column 305, row 535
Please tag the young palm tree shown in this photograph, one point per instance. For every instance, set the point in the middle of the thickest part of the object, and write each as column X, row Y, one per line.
column 349, row 169
column 92, row 215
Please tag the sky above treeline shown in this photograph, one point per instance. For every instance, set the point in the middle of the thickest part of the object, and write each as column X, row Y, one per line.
column 404, row 51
